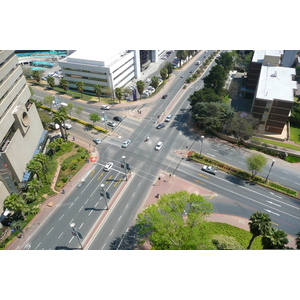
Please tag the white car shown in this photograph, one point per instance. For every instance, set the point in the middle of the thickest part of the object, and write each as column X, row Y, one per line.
column 158, row 146
column 148, row 80
column 111, row 124
column 105, row 107
column 125, row 144
column 210, row 169
column 108, row 166
column 168, row 118
column 96, row 140
column 66, row 125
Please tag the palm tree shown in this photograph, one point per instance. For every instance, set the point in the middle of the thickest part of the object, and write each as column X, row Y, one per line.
column 164, row 73
column 275, row 239
column 34, row 184
column 35, row 167
column 119, row 94
column 154, row 81
column 51, row 81
column 140, row 85
column 98, row 90
column 59, row 117
column 64, row 84
column 181, row 55
column 15, row 203
column 43, row 159
column 80, row 87
column 260, row 225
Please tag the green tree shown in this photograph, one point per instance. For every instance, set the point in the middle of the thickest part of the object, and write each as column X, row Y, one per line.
column 48, row 100
column 70, row 106
column 80, row 87
column 78, row 110
column 169, row 67
column 154, row 81
column 55, row 145
column 166, row 226
column 226, row 61
column 64, row 84
column 298, row 240
column 43, row 160
column 256, row 163
column 15, row 202
column 205, row 95
column 59, row 118
column 119, row 94
column 260, row 224
column 51, row 81
column 216, row 79
column 181, row 55
column 98, row 90
column 164, row 73
column 36, row 76
column 94, row 118
column 35, row 167
column 33, row 187
column 140, row 85
column 275, row 239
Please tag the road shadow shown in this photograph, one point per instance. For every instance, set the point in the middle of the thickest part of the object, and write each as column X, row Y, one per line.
column 92, row 102
column 65, row 248
column 235, row 180
column 127, row 241
column 95, row 209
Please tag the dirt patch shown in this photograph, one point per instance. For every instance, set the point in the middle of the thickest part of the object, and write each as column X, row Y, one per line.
column 66, row 155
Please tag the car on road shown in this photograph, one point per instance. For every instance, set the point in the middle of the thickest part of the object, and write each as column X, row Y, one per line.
column 182, row 75
column 210, row 169
column 97, row 141
column 108, row 166
column 191, row 71
column 148, row 80
column 158, row 146
column 161, row 125
column 165, row 96
column 111, row 124
column 126, row 143
column 66, row 125
column 168, row 118
column 105, row 107
column 119, row 119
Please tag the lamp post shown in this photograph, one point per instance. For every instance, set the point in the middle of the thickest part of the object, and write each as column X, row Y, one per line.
column 103, row 193
column 272, row 164
column 104, row 120
column 124, row 162
column 201, row 145
column 74, row 232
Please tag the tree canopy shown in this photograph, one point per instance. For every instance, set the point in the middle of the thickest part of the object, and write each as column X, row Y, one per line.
column 175, row 222
column 216, row 79
column 255, row 163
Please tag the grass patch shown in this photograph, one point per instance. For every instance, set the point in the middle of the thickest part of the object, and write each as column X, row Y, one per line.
column 276, row 143
column 295, row 134
column 242, row 236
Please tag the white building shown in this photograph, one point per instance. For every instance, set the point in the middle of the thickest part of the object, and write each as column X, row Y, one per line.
column 107, row 68
column 21, row 131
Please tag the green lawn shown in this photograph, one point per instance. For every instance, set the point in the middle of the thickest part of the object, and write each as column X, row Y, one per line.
column 295, row 134
column 279, row 144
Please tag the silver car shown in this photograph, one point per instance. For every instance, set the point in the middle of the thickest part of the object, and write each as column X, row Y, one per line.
column 126, row 143
column 158, row 146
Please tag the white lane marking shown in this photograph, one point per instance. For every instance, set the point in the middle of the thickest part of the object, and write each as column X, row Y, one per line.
column 71, row 204
column 50, row 230
column 96, row 203
column 76, row 198
column 229, row 158
column 61, row 217
column 126, row 205
column 37, row 246
column 60, row 235
column 80, row 226
column 210, row 154
column 80, row 208
column 285, row 172
column 139, row 184
column 272, row 212
column 86, row 201
column 90, row 212
column 274, row 203
column 111, row 232
column 103, row 246
column 133, row 194
column 119, row 218
column 282, row 178
column 275, row 195
column 297, row 183
column 71, row 239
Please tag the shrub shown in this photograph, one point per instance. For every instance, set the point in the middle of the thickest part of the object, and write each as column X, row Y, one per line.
column 74, row 167
column 64, row 167
column 64, row 180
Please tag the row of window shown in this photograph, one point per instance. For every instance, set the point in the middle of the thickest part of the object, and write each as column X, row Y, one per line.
column 86, row 71
column 84, row 77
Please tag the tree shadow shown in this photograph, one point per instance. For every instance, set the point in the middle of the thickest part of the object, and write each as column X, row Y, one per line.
column 127, row 241
column 95, row 209
column 65, row 248
column 235, row 180
column 87, row 128
column 92, row 102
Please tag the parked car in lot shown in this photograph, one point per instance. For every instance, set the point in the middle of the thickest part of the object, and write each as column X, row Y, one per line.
column 126, row 143
column 210, row 169
column 105, row 107
column 111, row 124
column 158, row 146
column 168, row 118
column 108, row 166
column 161, row 125
column 148, row 80
column 66, row 125
column 54, row 126
column 119, row 119
column 97, row 141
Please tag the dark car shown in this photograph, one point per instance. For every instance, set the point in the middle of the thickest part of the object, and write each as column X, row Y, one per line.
column 161, row 125
column 119, row 119
column 165, row 96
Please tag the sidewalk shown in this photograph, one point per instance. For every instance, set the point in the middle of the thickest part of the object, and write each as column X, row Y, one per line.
column 172, row 184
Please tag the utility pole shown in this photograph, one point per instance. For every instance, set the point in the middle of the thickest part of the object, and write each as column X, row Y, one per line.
column 75, row 233
column 124, row 163
column 103, row 194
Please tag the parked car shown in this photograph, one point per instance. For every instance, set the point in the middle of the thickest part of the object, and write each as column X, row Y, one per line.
column 126, row 143
column 210, row 169
column 96, row 140
column 105, row 107
column 111, row 124
column 168, row 118
column 108, row 166
column 66, row 125
column 161, row 125
column 158, row 146
column 119, row 119
column 148, row 80
column 54, row 126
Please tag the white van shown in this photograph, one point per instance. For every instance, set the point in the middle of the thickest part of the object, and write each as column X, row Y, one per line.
column 54, row 126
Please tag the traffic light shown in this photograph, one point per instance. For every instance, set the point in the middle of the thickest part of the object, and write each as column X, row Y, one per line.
column 127, row 167
column 107, row 195
column 122, row 165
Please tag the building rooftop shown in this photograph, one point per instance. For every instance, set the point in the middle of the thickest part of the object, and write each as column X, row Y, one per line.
column 276, row 83
column 259, row 55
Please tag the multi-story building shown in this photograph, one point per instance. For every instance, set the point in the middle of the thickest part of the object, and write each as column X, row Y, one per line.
column 21, row 131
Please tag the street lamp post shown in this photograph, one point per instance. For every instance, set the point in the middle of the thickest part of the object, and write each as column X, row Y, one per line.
column 103, row 193
column 74, row 232
column 124, row 163
column 272, row 164
column 201, row 145
column 104, row 120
